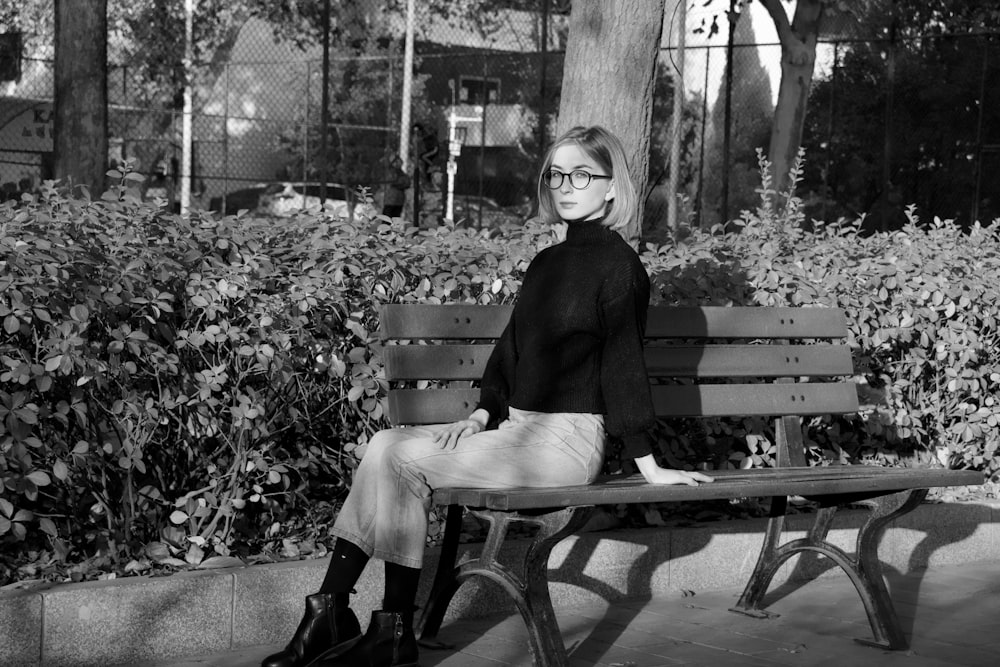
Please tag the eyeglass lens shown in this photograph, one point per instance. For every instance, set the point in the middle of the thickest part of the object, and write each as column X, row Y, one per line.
column 579, row 179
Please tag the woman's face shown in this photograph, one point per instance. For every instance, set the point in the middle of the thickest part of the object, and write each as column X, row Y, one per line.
column 589, row 202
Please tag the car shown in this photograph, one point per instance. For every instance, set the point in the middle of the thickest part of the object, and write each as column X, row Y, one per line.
column 286, row 198
column 239, row 200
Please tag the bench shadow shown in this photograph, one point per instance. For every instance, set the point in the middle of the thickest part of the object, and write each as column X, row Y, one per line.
column 638, row 586
column 903, row 579
column 716, row 282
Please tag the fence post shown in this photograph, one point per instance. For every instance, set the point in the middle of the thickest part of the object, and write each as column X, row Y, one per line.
column 325, row 102
column 677, row 122
column 974, row 213
column 186, row 124
column 225, row 137
column 889, row 103
column 404, row 117
column 701, row 144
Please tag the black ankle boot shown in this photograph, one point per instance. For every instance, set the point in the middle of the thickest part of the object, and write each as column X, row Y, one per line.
column 327, row 623
column 389, row 642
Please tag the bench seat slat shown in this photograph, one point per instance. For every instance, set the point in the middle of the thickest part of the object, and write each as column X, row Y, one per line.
column 467, row 361
column 435, row 406
column 763, row 482
column 470, row 321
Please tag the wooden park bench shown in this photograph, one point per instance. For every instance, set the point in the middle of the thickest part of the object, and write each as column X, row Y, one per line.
column 708, row 362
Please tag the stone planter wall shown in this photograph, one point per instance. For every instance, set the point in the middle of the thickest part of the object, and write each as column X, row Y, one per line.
column 135, row 619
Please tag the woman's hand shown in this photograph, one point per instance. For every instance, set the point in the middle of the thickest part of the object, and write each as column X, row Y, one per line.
column 654, row 474
column 450, row 434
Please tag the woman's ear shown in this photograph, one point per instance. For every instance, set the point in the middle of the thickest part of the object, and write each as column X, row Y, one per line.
column 610, row 194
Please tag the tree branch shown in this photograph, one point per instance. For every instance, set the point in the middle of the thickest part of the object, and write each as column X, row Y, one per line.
column 780, row 18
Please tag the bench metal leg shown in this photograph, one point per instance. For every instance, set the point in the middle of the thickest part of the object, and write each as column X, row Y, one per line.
column 444, row 585
column 863, row 568
column 529, row 589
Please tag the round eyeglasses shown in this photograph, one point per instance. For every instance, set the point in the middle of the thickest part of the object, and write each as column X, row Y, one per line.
column 579, row 179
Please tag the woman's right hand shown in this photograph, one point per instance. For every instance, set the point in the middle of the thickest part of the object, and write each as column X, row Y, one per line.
column 450, row 434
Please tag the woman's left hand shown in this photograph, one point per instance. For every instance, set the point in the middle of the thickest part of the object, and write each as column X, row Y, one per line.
column 654, row 474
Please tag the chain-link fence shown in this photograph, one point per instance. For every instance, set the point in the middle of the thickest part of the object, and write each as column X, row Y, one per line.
column 881, row 129
column 256, row 122
column 899, row 113
column 906, row 120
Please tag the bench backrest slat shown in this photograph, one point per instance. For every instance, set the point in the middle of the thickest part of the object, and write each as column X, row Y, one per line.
column 466, row 362
column 456, row 321
column 762, row 400
column 461, row 321
column 435, row 362
column 745, row 361
column 423, row 406
column 745, row 322
column 438, row 406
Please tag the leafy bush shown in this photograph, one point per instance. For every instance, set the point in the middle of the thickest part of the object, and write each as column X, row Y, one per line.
column 922, row 307
column 181, row 390
column 177, row 391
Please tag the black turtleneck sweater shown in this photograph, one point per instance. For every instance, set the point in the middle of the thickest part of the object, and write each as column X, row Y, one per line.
column 574, row 341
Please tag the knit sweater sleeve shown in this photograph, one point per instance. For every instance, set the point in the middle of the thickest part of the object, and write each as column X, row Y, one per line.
column 495, row 388
column 624, row 383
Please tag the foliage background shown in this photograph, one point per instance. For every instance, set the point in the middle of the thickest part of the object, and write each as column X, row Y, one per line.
column 182, row 392
column 899, row 110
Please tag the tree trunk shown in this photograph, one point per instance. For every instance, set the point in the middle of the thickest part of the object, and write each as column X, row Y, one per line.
column 81, row 93
column 798, row 55
column 608, row 77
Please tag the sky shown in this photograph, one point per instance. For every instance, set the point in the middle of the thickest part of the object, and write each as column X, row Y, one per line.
column 764, row 31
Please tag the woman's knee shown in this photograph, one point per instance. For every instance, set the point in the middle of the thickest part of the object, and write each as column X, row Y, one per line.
column 377, row 444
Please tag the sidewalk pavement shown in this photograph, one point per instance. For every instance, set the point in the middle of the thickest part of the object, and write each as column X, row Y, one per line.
column 950, row 612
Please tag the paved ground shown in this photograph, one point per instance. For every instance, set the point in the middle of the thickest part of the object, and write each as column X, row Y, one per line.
column 952, row 614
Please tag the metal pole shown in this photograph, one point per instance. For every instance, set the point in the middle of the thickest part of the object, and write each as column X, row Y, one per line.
column 701, row 148
column 305, row 126
column 728, row 112
column 186, row 133
column 829, row 128
column 454, row 150
column 404, row 116
column 543, row 108
column 676, row 122
column 449, row 211
column 887, row 143
column 974, row 213
column 482, row 143
column 225, row 141
column 325, row 110
column 415, row 171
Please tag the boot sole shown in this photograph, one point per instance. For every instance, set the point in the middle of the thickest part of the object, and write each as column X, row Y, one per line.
column 337, row 651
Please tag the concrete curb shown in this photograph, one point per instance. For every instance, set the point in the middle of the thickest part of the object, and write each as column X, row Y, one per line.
column 136, row 619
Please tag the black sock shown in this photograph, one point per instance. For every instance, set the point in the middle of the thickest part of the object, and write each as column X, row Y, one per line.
column 347, row 562
column 400, row 588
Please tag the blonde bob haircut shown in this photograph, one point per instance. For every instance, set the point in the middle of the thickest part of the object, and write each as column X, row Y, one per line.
column 606, row 150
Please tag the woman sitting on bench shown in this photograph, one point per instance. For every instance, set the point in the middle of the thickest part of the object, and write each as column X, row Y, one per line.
column 567, row 371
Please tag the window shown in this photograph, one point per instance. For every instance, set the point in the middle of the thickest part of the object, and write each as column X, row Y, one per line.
column 10, row 56
column 477, row 90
